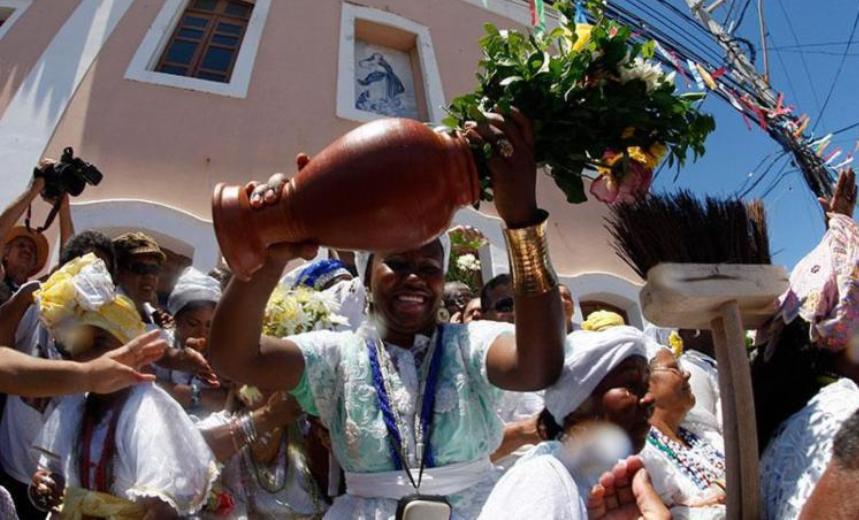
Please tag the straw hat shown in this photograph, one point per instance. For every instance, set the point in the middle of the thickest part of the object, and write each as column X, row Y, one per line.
column 38, row 239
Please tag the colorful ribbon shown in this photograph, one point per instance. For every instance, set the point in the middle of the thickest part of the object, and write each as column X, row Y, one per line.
column 538, row 14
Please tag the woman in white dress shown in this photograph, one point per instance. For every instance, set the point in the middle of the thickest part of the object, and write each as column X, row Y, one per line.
column 404, row 397
column 131, row 452
column 687, row 471
column 596, row 413
column 805, row 369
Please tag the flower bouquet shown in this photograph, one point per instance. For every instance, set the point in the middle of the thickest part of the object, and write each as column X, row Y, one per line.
column 293, row 311
column 465, row 264
column 596, row 98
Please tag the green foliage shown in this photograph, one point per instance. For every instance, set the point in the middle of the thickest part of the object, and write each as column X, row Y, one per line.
column 584, row 95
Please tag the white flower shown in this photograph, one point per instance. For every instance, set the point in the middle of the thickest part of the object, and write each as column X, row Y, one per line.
column 468, row 262
column 649, row 72
column 291, row 312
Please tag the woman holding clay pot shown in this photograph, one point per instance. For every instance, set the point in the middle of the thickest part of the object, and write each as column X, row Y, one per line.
column 409, row 403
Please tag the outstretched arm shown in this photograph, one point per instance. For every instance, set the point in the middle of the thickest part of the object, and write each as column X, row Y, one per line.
column 30, row 376
column 533, row 359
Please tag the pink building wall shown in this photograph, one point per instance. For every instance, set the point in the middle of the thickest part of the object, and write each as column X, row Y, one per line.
column 169, row 145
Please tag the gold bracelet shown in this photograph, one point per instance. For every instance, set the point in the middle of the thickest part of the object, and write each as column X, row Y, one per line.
column 530, row 266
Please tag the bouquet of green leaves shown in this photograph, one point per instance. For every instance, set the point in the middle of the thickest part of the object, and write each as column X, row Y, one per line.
column 597, row 101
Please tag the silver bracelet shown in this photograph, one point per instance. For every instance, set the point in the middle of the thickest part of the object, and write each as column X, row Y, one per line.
column 248, row 429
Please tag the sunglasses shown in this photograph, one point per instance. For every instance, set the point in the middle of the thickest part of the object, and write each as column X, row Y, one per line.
column 504, row 305
column 142, row 269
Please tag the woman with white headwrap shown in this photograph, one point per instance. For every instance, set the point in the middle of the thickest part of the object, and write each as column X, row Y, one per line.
column 406, row 399
column 688, row 470
column 131, row 453
column 192, row 305
column 596, row 413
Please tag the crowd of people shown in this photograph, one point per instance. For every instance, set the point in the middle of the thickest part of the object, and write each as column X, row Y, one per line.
column 204, row 396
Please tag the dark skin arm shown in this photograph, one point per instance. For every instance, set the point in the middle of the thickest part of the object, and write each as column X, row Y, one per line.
column 531, row 360
column 280, row 410
column 237, row 348
column 516, row 435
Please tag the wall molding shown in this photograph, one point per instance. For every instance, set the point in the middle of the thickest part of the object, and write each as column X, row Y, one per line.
column 18, row 8
column 430, row 77
column 158, row 35
column 171, row 227
column 39, row 103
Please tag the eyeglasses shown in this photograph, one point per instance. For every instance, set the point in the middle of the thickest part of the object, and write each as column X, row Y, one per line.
column 674, row 370
column 142, row 269
column 504, row 305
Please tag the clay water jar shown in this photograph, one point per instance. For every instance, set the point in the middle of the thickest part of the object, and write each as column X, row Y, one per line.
column 388, row 185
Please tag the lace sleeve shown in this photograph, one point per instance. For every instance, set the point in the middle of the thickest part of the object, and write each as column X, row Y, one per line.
column 163, row 454
column 480, row 337
column 320, row 385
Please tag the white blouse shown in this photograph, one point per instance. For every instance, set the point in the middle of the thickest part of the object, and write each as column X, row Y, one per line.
column 159, row 452
column 799, row 453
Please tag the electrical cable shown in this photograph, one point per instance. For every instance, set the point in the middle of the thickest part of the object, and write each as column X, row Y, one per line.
column 801, row 54
column 837, row 73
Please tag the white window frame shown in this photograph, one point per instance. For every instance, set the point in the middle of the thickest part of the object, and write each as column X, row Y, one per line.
column 142, row 66
column 18, row 7
column 430, row 78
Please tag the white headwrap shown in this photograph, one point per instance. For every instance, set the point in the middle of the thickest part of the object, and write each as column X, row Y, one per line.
column 589, row 358
column 362, row 258
column 193, row 286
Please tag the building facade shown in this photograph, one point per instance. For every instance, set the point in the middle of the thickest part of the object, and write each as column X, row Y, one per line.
column 170, row 97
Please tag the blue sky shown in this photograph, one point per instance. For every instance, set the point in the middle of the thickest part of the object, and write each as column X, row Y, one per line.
column 733, row 150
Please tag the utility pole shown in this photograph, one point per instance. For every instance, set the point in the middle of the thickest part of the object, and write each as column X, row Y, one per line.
column 783, row 127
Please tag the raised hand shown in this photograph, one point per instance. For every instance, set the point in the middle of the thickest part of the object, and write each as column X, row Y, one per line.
column 46, row 490
column 119, row 368
column 268, row 194
column 844, row 199
column 625, row 493
column 512, row 168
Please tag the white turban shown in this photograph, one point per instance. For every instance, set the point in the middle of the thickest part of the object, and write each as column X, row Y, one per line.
column 590, row 356
column 362, row 258
column 193, row 286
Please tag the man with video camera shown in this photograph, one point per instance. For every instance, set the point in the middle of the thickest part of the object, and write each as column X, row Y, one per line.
column 25, row 251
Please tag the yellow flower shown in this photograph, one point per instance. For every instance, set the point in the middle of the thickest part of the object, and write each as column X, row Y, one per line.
column 582, row 36
column 676, row 343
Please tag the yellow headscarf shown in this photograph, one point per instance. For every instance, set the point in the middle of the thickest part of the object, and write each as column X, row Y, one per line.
column 601, row 320
column 82, row 293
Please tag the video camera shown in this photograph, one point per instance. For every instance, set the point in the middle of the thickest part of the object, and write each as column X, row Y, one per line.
column 69, row 175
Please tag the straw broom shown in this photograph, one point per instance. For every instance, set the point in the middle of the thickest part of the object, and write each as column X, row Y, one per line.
column 707, row 267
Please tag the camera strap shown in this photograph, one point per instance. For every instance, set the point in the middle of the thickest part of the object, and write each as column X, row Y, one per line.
column 48, row 221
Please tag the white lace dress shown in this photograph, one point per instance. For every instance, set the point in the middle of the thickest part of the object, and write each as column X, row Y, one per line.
column 159, row 452
column 337, row 387
column 800, row 451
